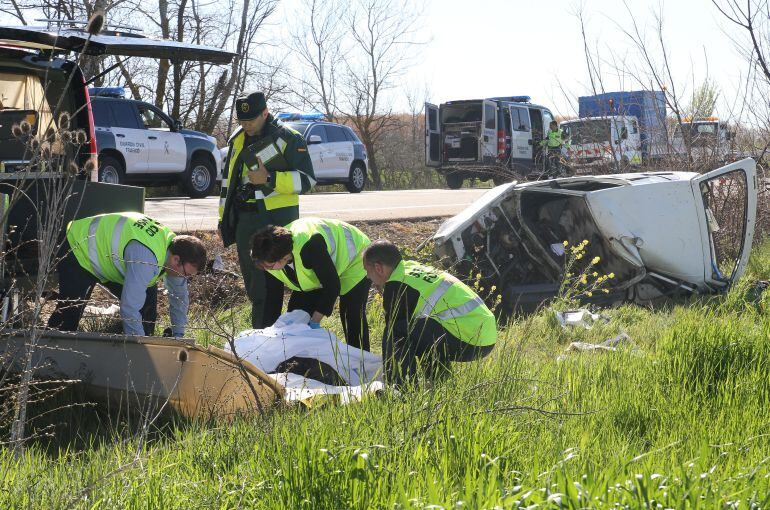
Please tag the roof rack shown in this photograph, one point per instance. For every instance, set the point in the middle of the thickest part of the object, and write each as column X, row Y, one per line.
column 54, row 21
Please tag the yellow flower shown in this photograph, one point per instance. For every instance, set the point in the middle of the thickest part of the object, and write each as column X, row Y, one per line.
column 611, row 275
column 606, row 291
column 594, row 274
column 585, row 241
column 569, row 275
column 583, row 280
column 589, row 294
column 579, row 256
column 492, row 288
column 565, row 243
column 595, row 260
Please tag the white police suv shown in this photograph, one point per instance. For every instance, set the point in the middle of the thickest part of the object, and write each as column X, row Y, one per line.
column 337, row 154
column 140, row 144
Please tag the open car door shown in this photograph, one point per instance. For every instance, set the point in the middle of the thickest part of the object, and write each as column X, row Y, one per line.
column 727, row 210
column 432, row 136
column 110, row 43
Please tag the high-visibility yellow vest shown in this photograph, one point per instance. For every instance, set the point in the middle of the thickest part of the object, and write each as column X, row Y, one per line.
column 555, row 139
column 448, row 301
column 98, row 242
column 283, row 180
column 345, row 244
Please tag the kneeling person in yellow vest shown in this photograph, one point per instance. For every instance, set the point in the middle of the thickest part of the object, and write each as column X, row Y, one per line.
column 127, row 253
column 318, row 260
column 431, row 318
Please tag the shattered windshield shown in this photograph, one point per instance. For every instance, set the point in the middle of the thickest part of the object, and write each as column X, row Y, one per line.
column 588, row 131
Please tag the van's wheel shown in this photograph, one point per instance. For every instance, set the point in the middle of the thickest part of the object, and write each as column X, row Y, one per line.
column 454, row 180
column 356, row 179
column 110, row 170
column 200, row 178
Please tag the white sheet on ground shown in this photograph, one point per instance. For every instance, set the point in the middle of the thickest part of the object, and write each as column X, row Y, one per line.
column 291, row 337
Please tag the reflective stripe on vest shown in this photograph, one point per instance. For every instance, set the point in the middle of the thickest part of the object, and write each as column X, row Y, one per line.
column 448, row 301
column 98, row 242
column 349, row 264
column 273, row 200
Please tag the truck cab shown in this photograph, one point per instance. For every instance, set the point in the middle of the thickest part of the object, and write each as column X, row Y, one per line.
column 706, row 139
column 612, row 141
column 494, row 138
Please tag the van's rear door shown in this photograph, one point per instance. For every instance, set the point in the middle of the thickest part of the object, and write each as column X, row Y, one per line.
column 488, row 138
column 432, row 136
column 726, row 201
column 110, row 43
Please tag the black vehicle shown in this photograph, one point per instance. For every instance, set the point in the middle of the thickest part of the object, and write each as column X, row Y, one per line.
column 40, row 81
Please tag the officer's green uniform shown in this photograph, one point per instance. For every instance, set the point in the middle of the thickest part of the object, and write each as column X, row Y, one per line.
column 345, row 243
column 98, row 243
column 274, row 203
column 448, row 301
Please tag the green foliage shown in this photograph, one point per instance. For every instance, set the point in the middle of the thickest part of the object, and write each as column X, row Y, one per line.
column 679, row 422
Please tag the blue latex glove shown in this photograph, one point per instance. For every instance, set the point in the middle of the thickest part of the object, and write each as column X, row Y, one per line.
column 314, row 325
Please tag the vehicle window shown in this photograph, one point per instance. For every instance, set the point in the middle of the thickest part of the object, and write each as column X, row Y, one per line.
column 432, row 119
column 589, row 131
column 123, row 114
column 489, row 116
column 634, row 127
column 101, row 113
column 351, row 135
column 520, row 119
column 624, row 133
column 726, row 198
column 335, row 134
column 318, row 130
column 547, row 119
column 152, row 119
column 465, row 112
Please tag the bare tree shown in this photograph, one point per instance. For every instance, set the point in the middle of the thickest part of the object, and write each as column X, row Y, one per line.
column 317, row 42
column 384, row 37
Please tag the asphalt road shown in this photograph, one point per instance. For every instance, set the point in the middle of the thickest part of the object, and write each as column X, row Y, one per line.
column 184, row 214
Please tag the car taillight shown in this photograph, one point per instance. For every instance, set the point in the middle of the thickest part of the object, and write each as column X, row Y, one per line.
column 501, row 144
column 93, row 150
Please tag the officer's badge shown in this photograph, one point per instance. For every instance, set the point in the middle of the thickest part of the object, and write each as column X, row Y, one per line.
column 244, row 106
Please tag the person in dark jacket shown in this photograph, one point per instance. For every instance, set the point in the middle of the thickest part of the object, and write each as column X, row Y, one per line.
column 268, row 167
column 431, row 317
column 319, row 260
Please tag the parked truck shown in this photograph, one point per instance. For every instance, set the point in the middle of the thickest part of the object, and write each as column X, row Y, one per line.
column 495, row 138
column 617, row 130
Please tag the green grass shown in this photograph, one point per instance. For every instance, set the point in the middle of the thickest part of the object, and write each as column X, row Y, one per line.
column 682, row 421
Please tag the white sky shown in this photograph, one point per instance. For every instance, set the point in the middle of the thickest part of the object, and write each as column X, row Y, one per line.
column 483, row 48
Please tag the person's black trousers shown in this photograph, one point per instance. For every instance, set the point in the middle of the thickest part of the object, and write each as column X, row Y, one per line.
column 352, row 311
column 75, row 287
column 426, row 346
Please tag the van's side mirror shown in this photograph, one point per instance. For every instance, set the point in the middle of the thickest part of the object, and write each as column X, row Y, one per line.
column 314, row 139
column 177, row 125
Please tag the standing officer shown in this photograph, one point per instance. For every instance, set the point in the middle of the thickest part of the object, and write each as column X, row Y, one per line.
column 553, row 144
column 255, row 195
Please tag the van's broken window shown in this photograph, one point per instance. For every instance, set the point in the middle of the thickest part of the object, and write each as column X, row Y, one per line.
column 725, row 198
